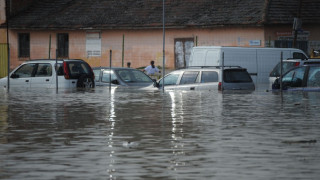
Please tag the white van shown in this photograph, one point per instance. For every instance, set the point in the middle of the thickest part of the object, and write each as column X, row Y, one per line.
column 259, row 62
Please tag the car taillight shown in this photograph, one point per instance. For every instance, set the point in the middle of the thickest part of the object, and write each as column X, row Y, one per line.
column 66, row 70
column 297, row 64
column 220, row 86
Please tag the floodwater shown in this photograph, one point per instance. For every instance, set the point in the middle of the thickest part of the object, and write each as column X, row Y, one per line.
column 129, row 134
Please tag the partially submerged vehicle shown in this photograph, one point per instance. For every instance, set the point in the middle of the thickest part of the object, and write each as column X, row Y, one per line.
column 300, row 78
column 50, row 73
column 118, row 76
column 216, row 78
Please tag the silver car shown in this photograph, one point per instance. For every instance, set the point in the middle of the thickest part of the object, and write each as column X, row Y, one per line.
column 126, row 77
column 208, row 78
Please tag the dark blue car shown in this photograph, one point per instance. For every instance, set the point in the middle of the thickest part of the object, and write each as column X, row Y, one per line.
column 302, row 78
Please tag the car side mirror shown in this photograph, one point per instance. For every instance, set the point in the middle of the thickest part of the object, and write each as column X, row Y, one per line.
column 115, row 82
column 14, row 76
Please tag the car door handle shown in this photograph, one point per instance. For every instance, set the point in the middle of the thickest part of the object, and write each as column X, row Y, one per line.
column 192, row 88
column 47, row 79
column 27, row 80
column 73, row 82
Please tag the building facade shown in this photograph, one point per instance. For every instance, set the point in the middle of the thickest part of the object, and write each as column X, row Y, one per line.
column 71, row 30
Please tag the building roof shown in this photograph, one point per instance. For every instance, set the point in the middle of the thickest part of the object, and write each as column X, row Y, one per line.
column 142, row 14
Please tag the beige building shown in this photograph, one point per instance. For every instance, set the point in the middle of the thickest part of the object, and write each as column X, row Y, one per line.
column 133, row 29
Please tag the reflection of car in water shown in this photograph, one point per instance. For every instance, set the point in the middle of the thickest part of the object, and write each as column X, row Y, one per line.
column 121, row 77
column 208, row 78
column 302, row 78
column 41, row 73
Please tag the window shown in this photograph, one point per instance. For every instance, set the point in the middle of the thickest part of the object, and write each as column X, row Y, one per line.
column 93, row 44
column 314, row 77
column 236, row 76
column 209, row 76
column 170, row 79
column 106, row 76
column 24, row 71
column 286, row 66
column 189, row 77
column 63, row 45
column 294, row 77
column 43, row 70
column 24, row 45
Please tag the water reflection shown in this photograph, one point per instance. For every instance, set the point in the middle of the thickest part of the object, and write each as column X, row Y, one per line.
column 76, row 134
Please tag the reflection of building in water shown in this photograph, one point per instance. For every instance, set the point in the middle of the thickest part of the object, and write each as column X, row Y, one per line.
column 112, row 115
column 3, row 122
column 177, row 144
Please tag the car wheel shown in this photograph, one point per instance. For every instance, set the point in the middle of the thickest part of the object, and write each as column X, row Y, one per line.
column 85, row 82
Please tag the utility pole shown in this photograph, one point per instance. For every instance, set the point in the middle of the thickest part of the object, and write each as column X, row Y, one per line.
column 297, row 25
column 8, row 48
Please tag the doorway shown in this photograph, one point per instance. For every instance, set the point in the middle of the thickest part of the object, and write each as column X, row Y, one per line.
column 182, row 52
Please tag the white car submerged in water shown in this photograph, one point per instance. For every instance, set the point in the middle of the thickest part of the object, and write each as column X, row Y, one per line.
column 41, row 73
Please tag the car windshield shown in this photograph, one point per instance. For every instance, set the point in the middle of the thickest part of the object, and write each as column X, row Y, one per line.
column 133, row 76
column 286, row 66
column 236, row 76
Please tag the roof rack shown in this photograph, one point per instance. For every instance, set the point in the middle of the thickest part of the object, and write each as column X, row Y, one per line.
column 217, row 67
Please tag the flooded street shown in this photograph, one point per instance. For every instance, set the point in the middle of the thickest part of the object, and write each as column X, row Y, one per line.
column 121, row 134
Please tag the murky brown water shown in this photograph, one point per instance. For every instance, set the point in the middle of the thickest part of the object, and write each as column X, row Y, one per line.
column 174, row 135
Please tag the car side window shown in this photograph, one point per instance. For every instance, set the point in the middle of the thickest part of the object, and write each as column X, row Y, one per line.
column 43, row 70
column 106, row 76
column 170, row 79
column 209, row 76
column 294, row 77
column 96, row 74
column 189, row 77
column 24, row 71
column 314, row 77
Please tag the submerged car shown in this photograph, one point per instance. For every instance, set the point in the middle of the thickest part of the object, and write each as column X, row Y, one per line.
column 41, row 73
column 289, row 64
column 301, row 78
column 118, row 76
column 208, row 78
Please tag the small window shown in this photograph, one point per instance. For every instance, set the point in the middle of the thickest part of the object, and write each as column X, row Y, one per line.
column 97, row 74
column 170, row 79
column 63, row 45
column 24, row 71
column 106, row 76
column 314, row 77
column 294, row 77
column 77, row 68
column 236, row 76
column 24, row 45
column 43, row 70
column 286, row 66
column 189, row 77
column 209, row 76
column 297, row 55
column 60, row 69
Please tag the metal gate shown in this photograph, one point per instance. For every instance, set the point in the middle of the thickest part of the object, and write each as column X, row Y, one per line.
column 3, row 60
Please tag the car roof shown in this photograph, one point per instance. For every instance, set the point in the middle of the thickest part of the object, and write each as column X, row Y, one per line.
column 115, row 68
column 52, row 60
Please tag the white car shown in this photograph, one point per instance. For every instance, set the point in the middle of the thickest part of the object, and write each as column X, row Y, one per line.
column 42, row 74
column 208, row 78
